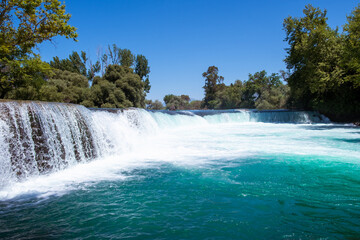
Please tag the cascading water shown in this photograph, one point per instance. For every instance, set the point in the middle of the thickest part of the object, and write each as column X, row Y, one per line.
column 43, row 137
column 38, row 137
column 67, row 172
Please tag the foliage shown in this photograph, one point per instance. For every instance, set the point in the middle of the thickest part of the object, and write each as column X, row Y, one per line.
column 212, row 85
column 65, row 86
column 324, row 65
column 23, row 25
column 118, row 56
column 313, row 57
column 264, row 92
column 154, row 105
column 119, row 87
column 23, row 79
column 229, row 97
column 351, row 57
column 125, row 58
column 259, row 91
column 177, row 102
column 105, row 94
column 74, row 63
column 77, row 63
column 195, row 104
column 273, row 97
column 142, row 69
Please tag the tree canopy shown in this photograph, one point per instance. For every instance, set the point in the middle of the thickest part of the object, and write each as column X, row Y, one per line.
column 212, row 84
column 23, row 25
column 323, row 67
column 259, row 91
column 323, row 64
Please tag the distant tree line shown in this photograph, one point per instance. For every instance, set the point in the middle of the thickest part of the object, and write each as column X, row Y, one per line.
column 323, row 73
column 323, row 68
column 173, row 102
column 260, row 91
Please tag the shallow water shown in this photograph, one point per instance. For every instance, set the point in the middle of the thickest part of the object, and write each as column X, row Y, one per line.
column 197, row 179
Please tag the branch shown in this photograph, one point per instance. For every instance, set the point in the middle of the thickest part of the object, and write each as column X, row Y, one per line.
column 4, row 11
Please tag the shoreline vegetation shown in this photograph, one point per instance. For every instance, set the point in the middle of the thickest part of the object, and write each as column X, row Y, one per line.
column 323, row 68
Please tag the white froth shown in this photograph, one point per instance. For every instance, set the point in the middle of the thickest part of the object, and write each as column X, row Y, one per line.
column 139, row 139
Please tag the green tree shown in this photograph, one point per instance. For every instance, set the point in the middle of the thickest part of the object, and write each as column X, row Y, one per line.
column 77, row 63
column 105, row 94
column 351, row 59
column 23, row 25
column 324, row 65
column 74, row 63
column 114, row 54
column 142, row 69
column 118, row 56
column 177, row 102
column 127, row 59
column 230, row 97
column 65, row 86
column 195, row 104
column 127, row 82
column 313, row 58
column 154, row 105
column 212, row 85
column 23, row 79
column 93, row 69
column 273, row 98
column 256, row 85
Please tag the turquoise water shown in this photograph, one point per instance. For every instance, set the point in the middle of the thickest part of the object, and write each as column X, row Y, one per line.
column 234, row 180
column 256, row 198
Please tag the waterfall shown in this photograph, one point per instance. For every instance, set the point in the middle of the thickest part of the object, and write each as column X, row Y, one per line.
column 225, row 116
column 39, row 138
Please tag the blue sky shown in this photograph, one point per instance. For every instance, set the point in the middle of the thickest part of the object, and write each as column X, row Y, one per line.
column 182, row 38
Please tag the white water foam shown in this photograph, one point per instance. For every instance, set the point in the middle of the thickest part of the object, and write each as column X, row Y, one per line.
column 136, row 139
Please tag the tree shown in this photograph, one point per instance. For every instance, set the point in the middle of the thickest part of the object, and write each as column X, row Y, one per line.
column 74, row 63
column 230, row 97
column 212, row 85
column 313, row 58
column 118, row 56
column 114, row 54
column 256, row 85
column 127, row 59
column 77, row 63
column 104, row 63
column 65, row 86
column 127, row 82
column 105, row 94
column 273, row 98
column 156, row 105
column 23, row 79
column 93, row 69
column 324, row 66
column 195, row 104
column 142, row 69
column 351, row 59
column 23, row 25
column 177, row 102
